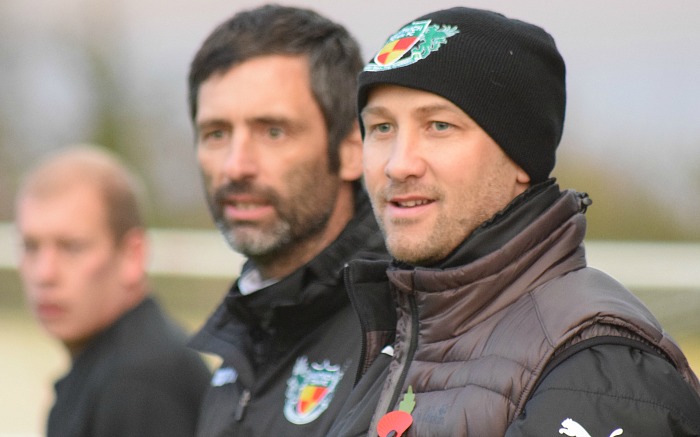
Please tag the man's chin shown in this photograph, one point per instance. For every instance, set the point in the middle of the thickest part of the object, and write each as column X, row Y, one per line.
column 252, row 244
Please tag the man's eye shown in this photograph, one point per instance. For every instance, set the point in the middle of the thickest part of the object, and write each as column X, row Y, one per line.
column 73, row 247
column 210, row 138
column 275, row 132
column 213, row 135
column 382, row 128
column 441, row 125
column 30, row 247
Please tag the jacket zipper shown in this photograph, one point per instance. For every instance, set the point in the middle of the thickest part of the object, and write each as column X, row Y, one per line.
column 413, row 345
column 363, row 325
column 242, row 404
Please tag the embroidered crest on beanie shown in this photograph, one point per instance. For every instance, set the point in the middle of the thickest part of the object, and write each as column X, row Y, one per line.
column 427, row 38
column 507, row 75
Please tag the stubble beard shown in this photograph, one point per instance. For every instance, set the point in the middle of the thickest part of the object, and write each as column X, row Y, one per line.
column 297, row 219
column 252, row 241
column 409, row 248
column 470, row 210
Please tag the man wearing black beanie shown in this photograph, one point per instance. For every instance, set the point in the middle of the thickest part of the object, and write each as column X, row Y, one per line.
column 488, row 322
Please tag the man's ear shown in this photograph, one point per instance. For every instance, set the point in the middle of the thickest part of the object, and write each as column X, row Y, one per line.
column 350, row 153
column 522, row 177
column 134, row 259
column 522, row 181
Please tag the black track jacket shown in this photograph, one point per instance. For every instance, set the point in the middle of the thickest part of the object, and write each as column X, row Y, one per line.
column 290, row 350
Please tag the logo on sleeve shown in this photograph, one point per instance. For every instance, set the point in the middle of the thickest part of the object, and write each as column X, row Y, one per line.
column 223, row 376
column 310, row 390
column 571, row 428
column 410, row 44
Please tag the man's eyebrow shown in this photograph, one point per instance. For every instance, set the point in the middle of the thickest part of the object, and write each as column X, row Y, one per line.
column 437, row 107
column 261, row 121
column 212, row 123
column 271, row 119
column 420, row 111
column 374, row 110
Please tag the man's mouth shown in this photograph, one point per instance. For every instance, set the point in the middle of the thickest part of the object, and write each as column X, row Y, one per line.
column 245, row 206
column 49, row 311
column 411, row 203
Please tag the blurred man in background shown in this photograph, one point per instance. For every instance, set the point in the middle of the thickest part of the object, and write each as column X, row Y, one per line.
column 272, row 94
column 83, row 265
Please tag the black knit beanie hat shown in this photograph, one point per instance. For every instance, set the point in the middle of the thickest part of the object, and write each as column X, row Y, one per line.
column 507, row 75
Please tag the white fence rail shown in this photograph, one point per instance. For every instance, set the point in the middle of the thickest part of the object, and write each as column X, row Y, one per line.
column 204, row 253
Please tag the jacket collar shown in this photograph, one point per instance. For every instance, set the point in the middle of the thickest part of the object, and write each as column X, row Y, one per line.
column 504, row 225
column 451, row 301
column 531, row 225
column 311, row 290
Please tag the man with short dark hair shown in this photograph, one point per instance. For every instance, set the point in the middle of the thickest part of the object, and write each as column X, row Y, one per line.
column 502, row 329
column 272, row 94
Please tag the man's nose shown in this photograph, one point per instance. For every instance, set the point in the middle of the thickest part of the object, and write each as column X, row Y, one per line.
column 406, row 158
column 241, row 159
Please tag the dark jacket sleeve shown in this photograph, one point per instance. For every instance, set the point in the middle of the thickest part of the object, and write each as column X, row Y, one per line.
column 611, row 390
